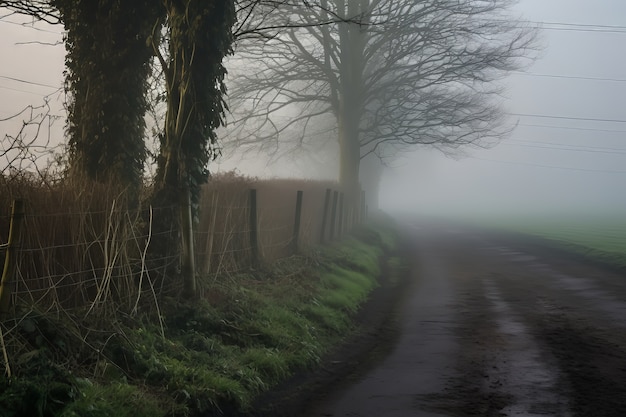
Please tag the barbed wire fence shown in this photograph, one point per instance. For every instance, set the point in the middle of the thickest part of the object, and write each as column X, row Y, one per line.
column 96, row 258
column 85, row 257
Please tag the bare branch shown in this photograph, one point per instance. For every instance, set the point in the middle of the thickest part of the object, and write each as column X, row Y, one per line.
column 394, row 73
column 31, row 148
column 39, row 10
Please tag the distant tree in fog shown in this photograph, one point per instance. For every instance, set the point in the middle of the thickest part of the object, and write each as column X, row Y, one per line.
column 394, row 74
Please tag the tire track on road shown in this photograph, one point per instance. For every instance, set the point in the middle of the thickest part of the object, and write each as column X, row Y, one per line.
column 579, row 320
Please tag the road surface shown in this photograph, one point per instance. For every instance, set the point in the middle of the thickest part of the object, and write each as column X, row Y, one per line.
column 497, row 326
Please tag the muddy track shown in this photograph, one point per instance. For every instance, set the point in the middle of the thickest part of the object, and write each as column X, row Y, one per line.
column 587, row 342
column 497, row 326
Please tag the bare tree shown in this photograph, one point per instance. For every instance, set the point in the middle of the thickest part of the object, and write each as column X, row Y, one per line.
column 394, row 74
column 39, row 10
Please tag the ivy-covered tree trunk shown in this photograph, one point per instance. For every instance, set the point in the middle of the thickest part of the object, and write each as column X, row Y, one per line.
column 200, row 36
column 108, row 63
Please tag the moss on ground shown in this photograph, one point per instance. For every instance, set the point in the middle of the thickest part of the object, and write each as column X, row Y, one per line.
column 247, row 334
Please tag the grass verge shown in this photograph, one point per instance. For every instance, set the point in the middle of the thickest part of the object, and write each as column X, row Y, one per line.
column 213, row 356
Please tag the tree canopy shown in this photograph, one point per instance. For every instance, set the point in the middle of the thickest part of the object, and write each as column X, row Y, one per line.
column 393, row 74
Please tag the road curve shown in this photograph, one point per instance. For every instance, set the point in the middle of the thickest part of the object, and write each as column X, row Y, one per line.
column 498, row 326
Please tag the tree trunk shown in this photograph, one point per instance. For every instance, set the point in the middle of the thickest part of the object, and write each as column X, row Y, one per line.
column 200, row 37
column 350, row 111
column 370, row 175
column 108, row 62
column 349, row 156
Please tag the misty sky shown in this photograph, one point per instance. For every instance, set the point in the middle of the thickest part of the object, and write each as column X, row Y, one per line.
column 548, row 163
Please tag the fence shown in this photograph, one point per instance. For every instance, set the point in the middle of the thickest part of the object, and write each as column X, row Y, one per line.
column 96, row 255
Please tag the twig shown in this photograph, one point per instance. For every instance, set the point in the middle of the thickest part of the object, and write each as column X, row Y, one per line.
column 7, row 367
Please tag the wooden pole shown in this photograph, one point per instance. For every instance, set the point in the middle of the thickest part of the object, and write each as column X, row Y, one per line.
column 325, row 215
column 10, row 260
column 296, row 225
column 254, row 234
column 211, row 235
column 333, row 215
column 363, row 215
column 188, row 264
column 340, row 223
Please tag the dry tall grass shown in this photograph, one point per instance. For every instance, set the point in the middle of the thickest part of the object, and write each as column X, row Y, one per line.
column 82, row 248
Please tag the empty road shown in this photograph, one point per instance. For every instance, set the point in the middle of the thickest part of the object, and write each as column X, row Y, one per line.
column 497, row 325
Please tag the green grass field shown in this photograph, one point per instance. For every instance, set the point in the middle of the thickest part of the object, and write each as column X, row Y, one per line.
column 599, row 237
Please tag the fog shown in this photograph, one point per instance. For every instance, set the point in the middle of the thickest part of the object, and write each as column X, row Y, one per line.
column 549, row 165
column 555, row 162
column 567, row 154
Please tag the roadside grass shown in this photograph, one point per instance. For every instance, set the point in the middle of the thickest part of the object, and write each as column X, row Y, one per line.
column 103, row 400
column 249, row 332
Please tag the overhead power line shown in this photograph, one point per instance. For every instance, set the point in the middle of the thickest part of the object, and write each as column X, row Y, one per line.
column 579, row 27
column 58, row 89
column 566, row 26
column 571, row 128
column 573, row 77
column 551, row 166
column 28, row 82
column 604, row 148
column 588, row 25
column 582, row 27
column 22, row 91
column 588, row 119
column 561, row 148
column 29, row 26
column 582, row 30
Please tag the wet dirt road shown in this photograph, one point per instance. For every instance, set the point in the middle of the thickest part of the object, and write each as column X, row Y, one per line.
column 498, row 326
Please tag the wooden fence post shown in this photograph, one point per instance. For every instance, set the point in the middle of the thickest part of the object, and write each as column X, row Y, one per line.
column 333, row 215
column 254, row 234
column 188, row 264
column 296, row 225
column 363, row 215
column 340, row 223
column 10, row 260
column 211, row 236
column 325, row 215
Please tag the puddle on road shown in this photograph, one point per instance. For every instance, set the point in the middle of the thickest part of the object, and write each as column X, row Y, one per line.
column 522, row 371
